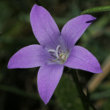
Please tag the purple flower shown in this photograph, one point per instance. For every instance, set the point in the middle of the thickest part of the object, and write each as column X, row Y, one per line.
column 57, row 50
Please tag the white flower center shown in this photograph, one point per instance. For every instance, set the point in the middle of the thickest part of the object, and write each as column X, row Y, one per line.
column 58, row 55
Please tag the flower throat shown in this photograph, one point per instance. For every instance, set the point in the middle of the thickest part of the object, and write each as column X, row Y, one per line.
column 59, row 55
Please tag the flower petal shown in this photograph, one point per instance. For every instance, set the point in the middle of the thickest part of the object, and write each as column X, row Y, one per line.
column 44, row 27
column 48, row 78
column 28, row 57
column 74, row 28
column 80, row 58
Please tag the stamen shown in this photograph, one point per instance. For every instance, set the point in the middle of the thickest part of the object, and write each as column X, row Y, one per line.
column 59, row 55
column 57, row 51
column 52, row 50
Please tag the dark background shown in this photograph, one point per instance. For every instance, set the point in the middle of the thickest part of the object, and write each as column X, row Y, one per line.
column 18, row 88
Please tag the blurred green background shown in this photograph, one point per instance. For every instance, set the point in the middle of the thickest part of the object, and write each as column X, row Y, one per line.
column 18, row 88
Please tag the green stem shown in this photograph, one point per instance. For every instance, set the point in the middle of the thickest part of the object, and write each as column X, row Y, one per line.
column 85, row 101
column 96, row 9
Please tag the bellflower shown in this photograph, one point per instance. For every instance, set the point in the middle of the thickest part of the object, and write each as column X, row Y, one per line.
column 56, row 50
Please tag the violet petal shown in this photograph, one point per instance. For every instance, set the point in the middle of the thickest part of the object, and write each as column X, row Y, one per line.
column 74, row 28
column 80, row 58
column 47, row 80
column 44, row 27
column 28, row 57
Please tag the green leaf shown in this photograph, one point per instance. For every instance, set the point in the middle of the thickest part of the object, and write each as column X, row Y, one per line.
column 97, row 9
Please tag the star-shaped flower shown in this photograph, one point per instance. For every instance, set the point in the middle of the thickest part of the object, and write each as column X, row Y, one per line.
column 56, row 50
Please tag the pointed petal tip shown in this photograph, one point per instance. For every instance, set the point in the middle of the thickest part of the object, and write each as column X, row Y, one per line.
column 91, row 21
column 97, row 68
column 99, row 71
column 91, row 18
column 9, row 66
column 34, row 7
column 45, row 101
